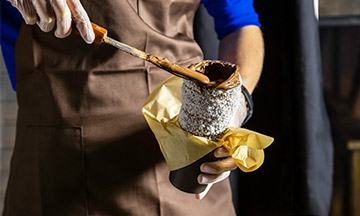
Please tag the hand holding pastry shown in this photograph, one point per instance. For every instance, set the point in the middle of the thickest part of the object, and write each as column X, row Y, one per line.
column 216, row 171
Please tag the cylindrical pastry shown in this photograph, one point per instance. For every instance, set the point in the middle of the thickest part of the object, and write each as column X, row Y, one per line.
column 207, row 111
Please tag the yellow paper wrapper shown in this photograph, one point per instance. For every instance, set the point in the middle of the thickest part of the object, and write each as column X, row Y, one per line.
column 181, row 148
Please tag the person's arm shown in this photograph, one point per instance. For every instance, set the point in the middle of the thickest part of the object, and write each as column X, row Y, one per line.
column 244, row 47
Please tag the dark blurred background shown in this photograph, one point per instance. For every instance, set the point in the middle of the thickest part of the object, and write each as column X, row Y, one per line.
column 340, row 49
column 281, row 190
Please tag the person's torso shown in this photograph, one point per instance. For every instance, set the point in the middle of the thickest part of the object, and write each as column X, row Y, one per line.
column 82, row 142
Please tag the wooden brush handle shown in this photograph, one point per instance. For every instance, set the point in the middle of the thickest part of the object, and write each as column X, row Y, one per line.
column 101, row 37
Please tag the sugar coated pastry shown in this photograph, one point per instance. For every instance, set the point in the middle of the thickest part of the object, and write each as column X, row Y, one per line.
column 208, row 110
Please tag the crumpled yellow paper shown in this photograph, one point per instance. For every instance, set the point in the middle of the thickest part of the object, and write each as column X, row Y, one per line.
column 181, row 148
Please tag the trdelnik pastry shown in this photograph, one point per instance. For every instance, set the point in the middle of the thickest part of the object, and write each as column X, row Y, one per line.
column 208, row 110
column 190, row 119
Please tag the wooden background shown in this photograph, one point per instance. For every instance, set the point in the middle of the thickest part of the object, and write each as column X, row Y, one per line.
column 339, row 7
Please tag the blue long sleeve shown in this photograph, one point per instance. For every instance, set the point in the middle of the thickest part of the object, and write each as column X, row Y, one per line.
column 230, row 15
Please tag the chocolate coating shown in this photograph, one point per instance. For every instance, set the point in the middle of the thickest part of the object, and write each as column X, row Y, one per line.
column 222, row 74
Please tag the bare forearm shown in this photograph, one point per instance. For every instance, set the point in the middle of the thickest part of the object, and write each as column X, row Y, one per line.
column 245, row 47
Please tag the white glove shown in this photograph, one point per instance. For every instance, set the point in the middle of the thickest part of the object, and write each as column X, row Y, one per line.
column 43, row 13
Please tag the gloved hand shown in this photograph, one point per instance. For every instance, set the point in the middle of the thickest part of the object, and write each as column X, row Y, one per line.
column 45, row 12
column 213, row 172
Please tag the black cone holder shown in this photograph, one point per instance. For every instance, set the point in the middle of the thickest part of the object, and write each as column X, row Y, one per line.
column 185, row 179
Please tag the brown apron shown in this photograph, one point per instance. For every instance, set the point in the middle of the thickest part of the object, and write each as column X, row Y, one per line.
column 82, row 144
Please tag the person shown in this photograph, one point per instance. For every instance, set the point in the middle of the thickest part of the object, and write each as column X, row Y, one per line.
column 82, row 145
